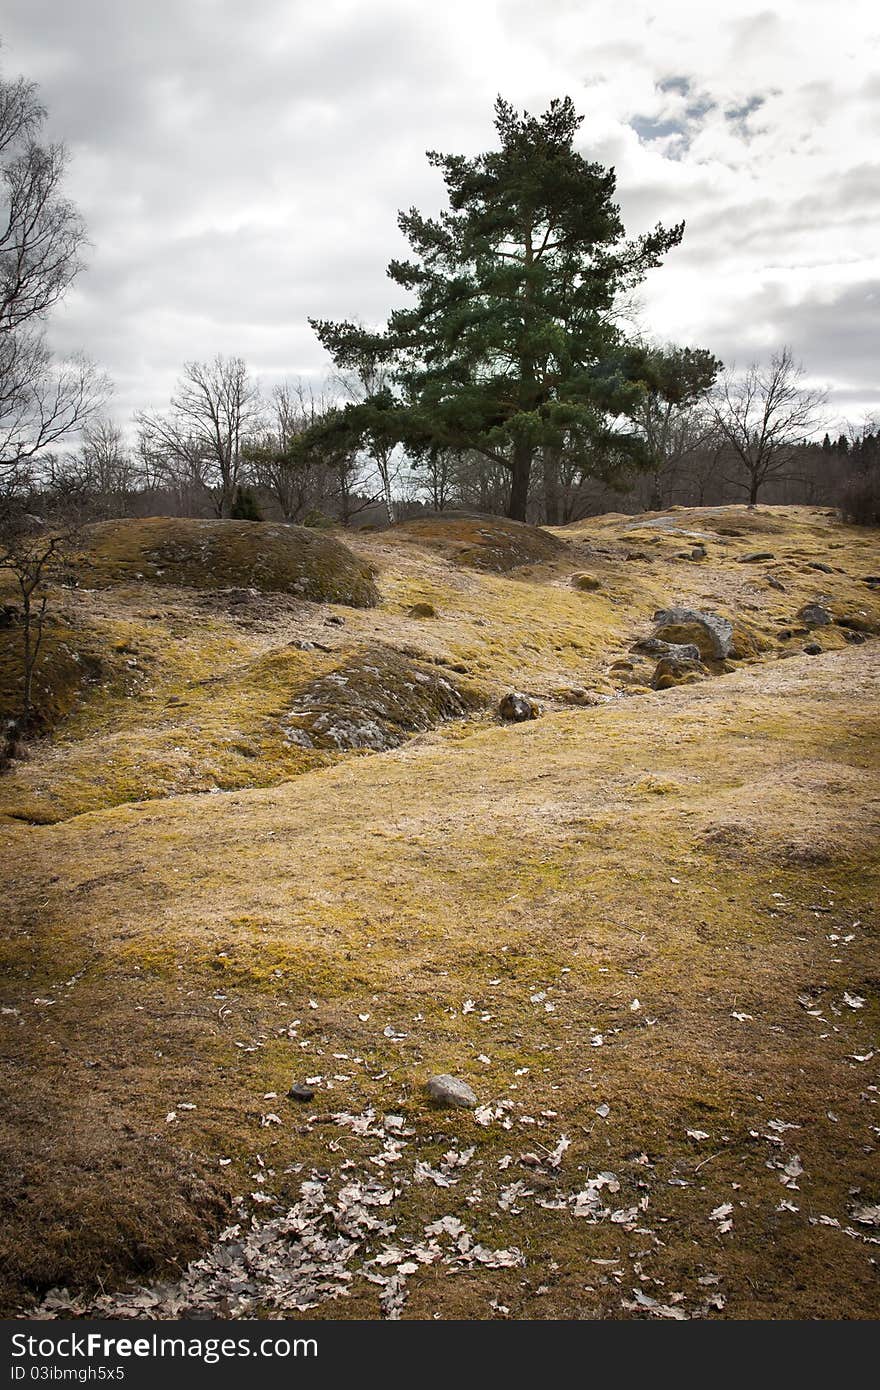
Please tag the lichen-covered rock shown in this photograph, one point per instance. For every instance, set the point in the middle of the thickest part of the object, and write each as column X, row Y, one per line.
column 711, row 633
column 374, row 701
column 676, row 670
column 482, row 542
column 516, row 708
column 239, row 556
column 652, row 646
column 452, row 1091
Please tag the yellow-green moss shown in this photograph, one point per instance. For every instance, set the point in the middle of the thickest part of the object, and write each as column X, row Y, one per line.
column 201, row 554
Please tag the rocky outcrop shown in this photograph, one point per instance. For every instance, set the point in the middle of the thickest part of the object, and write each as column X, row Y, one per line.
column 709, row 632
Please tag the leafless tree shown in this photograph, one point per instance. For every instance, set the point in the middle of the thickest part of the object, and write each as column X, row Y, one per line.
column 33, row 551
column 674, row 434
column 370, row 379
column 216, row 412
column 41, row 237
column 104, row 467
column 297, row 483
column 763, row 416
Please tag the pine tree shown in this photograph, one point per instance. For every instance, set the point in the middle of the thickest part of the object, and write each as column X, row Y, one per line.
column 513, row 344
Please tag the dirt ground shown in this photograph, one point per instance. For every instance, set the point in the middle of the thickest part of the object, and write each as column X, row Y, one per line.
column 642, row 927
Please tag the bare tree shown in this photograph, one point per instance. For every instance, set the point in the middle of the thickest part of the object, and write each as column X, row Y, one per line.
column 216, row 412
column 33, row 552
column 297, row 481
column 763, row 416
column 370, row 380
column 41, row 236
column 104, row 467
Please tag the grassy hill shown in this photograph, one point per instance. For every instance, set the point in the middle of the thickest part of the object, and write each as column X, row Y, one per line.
column 642, row 927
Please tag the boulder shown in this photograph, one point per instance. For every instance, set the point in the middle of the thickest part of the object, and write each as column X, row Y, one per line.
column 516, row 708
column 814, row 615
column 676, row 670
column 711, row 633
column 451, row 1091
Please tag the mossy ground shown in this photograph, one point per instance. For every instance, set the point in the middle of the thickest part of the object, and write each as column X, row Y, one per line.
column 709, row 851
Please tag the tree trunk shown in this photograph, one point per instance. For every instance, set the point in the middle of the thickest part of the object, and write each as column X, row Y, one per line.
column 655, row 503
column 519, row 488
column 550, row 463
column 753, row 491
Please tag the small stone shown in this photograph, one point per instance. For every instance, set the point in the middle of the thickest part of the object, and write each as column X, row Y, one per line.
column 302, row 645
column 300, row 1092
column 755, row 556
column 817, row 565
column 423, row 610
column 698, row 552
column 774, row 583
column 335, row 621
column 450, row 1090
column 812, row 649
column 814, row 615
column 516, row 708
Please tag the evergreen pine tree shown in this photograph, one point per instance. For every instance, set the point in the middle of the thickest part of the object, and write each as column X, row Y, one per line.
column 513, row 344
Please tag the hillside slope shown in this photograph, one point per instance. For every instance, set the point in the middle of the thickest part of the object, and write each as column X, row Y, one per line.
column 642, row 927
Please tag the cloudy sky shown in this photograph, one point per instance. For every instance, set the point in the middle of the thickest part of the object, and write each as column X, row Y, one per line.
column 240, row 164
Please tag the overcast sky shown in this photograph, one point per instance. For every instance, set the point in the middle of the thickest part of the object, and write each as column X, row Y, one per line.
column 240, row 164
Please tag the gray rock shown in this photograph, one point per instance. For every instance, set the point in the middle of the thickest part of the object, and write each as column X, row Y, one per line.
column 817, row 565
column 814, row 615
column 300, row 1092
column 516, row 708
column 652, row 646
column 774, row 583
column 451, row 1090
column 718, row 630
column 755, row 556
column 812, row 649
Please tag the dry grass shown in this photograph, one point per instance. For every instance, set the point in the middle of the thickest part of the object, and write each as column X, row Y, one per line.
column 709, row 850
